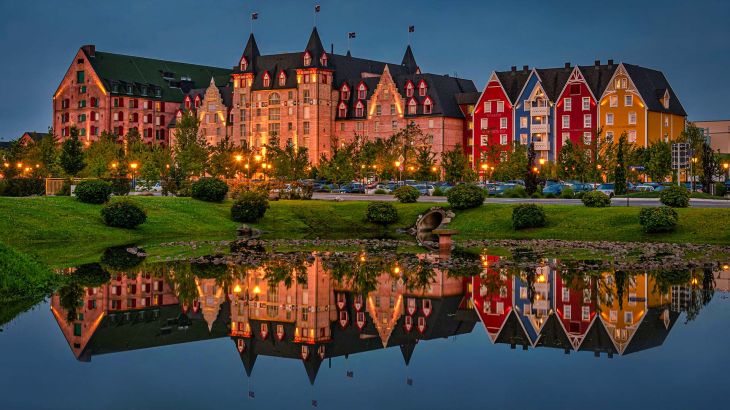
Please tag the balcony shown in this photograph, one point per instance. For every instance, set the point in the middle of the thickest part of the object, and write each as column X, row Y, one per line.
column 539, row 128
column 539, row 111
column 541, row 146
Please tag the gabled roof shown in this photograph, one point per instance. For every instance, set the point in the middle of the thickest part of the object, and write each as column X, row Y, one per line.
column 407, row 350
column 553, row 334
column 251, row 53
column 553, row 80
column 653, row 330
column 513, row 81
column 314, row 48
column 652, row 85
column 226, row 94
column 35, row 136
column 513, row 333
column 172, row 79
column 597, row 339
column 598, row 77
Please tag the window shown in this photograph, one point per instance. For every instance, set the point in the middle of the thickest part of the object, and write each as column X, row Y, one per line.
column 82, row 103
column 523, row 139
column 342, row 110
column 613, row 101
column 323, row 60
column 274, row 99
column 307, row 59
column 585, row 313
column 362, row 92
column 82, row 89
column 567, row 312
column 412, row 106
column 306, row 128
column 500, row 106
column 565, row 295
column 503, row 139
column 609, row 118
column 77, row 329
column 484, row 140
column 427, row 106
column 503, row 123
column 487, row 106
column 244, row 64
column 345, row 93
column 632, row 136
column 378, row 110
column 587, row 138
column 523, row 122
column 484, row 124
column 359, row 109
column 609, row 137
column 267, row 79
column 624, row 82
column 305, row 97
column 666, row 122
column 587, row 121
column 568, row 103
column 409, row 89
column 629, row 318
column 586, row 103
column 566, row 121
column 274, row 114
column 394, row 125
column 79, row 77
column 282, row 79
column 422, row 88
column 632, row 118
column 273, row 129
column 392, row 109
column 628, row 100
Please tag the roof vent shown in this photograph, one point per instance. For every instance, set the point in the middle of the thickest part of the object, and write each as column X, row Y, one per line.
column 513, row 68
column 610, row 63
column 525, row 67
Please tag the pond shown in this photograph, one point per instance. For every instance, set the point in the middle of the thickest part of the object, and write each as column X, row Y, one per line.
column 370, row 329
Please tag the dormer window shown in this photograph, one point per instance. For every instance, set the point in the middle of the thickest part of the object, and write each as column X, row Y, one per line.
column 362, row 92
column 187, row 103
column 412, row 106
column 427, row 106
column 665, row 100
column 359, row 109
column 282, row 79
column 307, row 59
column 267, row 79
column 422, row 88
column 409, row 89
column 323, row 60
column 244, row 64
column 197, row 101
column 342, row 110
column 144, row 90
column 345, row 92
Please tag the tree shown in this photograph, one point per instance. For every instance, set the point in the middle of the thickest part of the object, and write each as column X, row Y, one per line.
column 531, row 171
column 620, row 187
column 710, row 167
column 573, row 162
column 44, row 152
column 456, row 165
column 509, row 164
column 425, row 161
column 290, row 162
column 221, row 161
column 101, row 154
column 190, row 149
column 72, row 154
column 338, row 167
column 658, row 161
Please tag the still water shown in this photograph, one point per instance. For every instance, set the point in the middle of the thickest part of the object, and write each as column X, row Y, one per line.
column 369, row 330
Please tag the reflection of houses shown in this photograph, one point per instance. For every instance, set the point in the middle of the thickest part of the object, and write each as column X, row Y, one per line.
column 533, row 295
column 131, row 311
column 574, row 305
column 492, row 297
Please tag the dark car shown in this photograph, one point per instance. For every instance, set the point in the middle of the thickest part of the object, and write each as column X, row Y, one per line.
column 352, row 188
column 554, row 189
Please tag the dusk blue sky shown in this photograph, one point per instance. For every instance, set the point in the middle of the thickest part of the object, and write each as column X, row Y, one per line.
column 688, row 40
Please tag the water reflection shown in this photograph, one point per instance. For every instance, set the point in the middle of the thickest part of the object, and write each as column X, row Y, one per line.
column 315, row 306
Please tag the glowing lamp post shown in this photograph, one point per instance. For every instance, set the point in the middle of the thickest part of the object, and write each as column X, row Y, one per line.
column 397, row 165
column 134, row 166
column 485, row 167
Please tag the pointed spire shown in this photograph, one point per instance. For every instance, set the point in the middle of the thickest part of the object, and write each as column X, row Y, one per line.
column 407, row 351
column 314, row 45
column 409, row 61
column 312, row 367
column 348, row 54
column 252, row 49
column 248, row 357
column 212, row 82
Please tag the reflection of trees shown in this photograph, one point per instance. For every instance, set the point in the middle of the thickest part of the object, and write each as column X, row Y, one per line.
column 286, row 270
column 119, row 259
column 702, row 289
column 71, row 294
column 665, row 279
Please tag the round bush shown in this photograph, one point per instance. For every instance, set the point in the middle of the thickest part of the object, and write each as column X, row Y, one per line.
column 123, row 214
column 675, row 196
column 250, row 206
column 720, row 189
column 406, row 194
column 567, row 193
column 465, row 196
column 658, row 219
column 94, row 191
column 209, row 189
column 23, row 187
column 528, row 216
column 596, row 199
column 380, row 192
column 381, row 213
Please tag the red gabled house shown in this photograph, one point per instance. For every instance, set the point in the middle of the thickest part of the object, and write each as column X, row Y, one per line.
column 492, row 297
column 574, row 305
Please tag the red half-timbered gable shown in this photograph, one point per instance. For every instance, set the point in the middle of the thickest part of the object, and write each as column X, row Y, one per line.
column 492, row 297
column 574, row 305
column 493, row 124
column 576, row 113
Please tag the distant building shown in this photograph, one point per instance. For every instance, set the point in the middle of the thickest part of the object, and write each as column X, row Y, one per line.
column 717, row 133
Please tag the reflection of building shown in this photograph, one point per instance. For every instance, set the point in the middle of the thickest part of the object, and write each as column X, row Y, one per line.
column 492, row 296
column 574, row 305
column 533, row 293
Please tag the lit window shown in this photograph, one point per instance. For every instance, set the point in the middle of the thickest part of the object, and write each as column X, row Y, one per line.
column 244, row 64
column 282, row 79
column 362, row 92
column 323, row 60
column 307, row 59
column 359, row 109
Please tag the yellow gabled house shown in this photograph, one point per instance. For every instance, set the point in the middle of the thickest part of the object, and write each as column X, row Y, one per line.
column 640, row 102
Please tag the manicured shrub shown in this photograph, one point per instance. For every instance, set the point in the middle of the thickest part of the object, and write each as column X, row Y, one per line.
column 120, row 186
column 596, row 199
column 465, row 196
column 579, row 195
column 720, row 189
column 517, row 192
column 94, row 191
column 381, row 213
column 675, row 196
column 23, row 187
column 658, row 219
column 567, row 193
column 528, row 216
column 438, row 191
column 209, row 190
column 123, row 214
column 250, row 206
column 406, row 194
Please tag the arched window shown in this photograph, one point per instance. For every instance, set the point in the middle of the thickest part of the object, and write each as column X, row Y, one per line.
column 188, row 103
column 197, row 101
column 244, row 64
column 412, row 106
column 427, row 106
column 282, row 79
column 345, row 92
column 342, row 110
column 323, row 60
column 422, row 88
column 359, row 109
column 362, row 92
column 274, row 99
column 409, row 89
column 134, row 117
column 267, row 79
column 307, row 59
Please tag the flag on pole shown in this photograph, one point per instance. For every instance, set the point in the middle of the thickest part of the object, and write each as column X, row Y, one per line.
column 316, row 8
column 411, row 29
column 254, row 16
column 351, row 34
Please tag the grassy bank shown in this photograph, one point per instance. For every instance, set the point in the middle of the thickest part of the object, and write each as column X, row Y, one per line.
column 61, row 231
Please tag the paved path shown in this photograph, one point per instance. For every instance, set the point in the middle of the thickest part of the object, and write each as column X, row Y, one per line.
column 696, row 203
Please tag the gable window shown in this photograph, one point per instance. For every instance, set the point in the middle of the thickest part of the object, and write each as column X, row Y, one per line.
column 422, row 88
column 307, row 59
column 412, row 106
column 409, row 89
column 586, row 103
column 282, row 79
column 244, row 64
column 359, row 109
column 267, row 79
column 362, row 92
column 79, row 77
column 342, row 110
column 566, row 121
column 427, row 106
column 568, row 103
column 323, row 60
column 587, row 121
column 503, row 123
column 613, row 101
column 500, row 106
column 345, row 92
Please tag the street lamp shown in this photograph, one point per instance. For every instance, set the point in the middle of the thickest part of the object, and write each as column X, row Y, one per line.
column 542, row 161
column 484, row 172
column 725, row 166
column 397, row 165
column 691, row 171
column 134, row 165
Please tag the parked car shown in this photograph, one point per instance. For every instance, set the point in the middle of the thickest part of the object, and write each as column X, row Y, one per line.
column 579, row 187
column 500, row 188
column 383, row 187
column 425, row 189
column 644, row 188
column 607, row 189
column 352, row 188
column 554, row 189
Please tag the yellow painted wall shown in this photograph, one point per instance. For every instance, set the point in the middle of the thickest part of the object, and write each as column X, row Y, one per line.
column 638, row 309
column 621, row 112
column 661, row 124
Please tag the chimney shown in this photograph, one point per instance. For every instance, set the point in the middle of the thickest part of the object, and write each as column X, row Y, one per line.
column 513, row 68
column 567, row 65
column 610, row 62
column 332, row 48
column 89, row 49
column 597, row 63
column 525, row 68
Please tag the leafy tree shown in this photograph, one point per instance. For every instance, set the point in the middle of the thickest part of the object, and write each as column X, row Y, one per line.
column 72, row 154
column 338, row 167
column 510, row 164
column 101, row 154
column 289, row 162
column 530, row 175
column 573, row 162
column 425, row 161
column 44, row 152
column 190, row 149
column 620, row 187
column 658, row 161
column 710, row 167
column 222, row 162
column 456, row 165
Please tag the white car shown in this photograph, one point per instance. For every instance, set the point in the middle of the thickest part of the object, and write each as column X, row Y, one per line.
column 644, row 188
